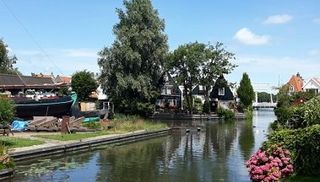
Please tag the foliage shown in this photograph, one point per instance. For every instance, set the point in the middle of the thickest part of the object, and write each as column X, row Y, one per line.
column 5, row 160
column 92, row 125
column 311, row 111
column 299, row 116
column 64, row 91
column 197, row 106
column 199, row 64
column 245, row 91
column 265, row 97
column 7, row 111
column 206, row 107
column 83, row 84
column 248, row 114
column 225, row 113
column 304, row 146
column 271, row 165
column 132, row 68
column 6, row 61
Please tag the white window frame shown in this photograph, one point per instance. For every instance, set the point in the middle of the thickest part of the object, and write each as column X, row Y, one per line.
column 221, row 91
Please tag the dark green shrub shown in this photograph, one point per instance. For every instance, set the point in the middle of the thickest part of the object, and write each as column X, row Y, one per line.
column 304, row 146
column 225, row 113
column 7, row 111
column 206, row 107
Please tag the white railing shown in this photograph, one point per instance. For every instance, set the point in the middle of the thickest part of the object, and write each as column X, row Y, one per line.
column 264, row 105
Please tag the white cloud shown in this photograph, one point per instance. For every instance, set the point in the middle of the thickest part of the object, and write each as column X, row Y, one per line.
column 278, row 19
column 246, row 36
column 316, row 20
column 60, row 61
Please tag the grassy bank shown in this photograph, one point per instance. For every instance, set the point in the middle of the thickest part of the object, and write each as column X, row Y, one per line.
column 119, row 125
column 14, row 142
column 76, row 136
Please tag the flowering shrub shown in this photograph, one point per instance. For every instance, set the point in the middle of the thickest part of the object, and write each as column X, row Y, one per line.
column 271, row 165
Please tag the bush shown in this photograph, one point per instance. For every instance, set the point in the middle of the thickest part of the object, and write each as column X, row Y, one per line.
column 271, row 165
column 197, row 105
column 304, row 145
column 5, row 160
column 225, row 113
column 300, row 116
column 6, row 111
column 311, row 111
column 248, row 114
column 206, row 107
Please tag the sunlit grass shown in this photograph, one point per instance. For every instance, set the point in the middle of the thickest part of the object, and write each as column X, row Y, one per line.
column 15, row 142
column 121, row 124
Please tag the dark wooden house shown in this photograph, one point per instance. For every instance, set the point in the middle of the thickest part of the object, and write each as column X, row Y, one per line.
column 221, row 93
column 170, row 97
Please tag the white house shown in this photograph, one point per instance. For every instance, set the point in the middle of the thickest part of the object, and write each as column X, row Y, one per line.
column 312, row 85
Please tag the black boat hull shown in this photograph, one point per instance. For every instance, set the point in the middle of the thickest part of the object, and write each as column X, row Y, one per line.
column 49, row 107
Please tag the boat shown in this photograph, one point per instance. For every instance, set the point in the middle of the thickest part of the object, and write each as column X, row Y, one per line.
column 55, row 106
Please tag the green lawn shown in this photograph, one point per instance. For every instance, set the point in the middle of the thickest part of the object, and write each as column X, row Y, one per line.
column 76, row 136
column 14, row 142
column 118, row 126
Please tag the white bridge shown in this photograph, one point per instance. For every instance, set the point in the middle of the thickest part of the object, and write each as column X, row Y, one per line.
column 264, row 87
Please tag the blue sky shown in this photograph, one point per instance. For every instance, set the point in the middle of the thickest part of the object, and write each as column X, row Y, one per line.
column 272, row 39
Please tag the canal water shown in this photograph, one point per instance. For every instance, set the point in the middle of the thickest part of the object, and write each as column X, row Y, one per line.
column 215, row 153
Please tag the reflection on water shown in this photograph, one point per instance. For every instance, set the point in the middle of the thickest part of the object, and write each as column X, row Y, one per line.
column 216, row 153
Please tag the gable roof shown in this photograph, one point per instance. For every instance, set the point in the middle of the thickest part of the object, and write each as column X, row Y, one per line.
column 296, row 82
column 221, row 83
column 310, row 81
column 17, row 82
column 63, row 79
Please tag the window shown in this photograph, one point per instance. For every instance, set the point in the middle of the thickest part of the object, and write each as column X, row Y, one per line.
column 221, row 91
column 291, row 88
column 168, row 91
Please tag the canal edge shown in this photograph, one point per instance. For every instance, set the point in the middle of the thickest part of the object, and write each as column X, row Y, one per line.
column 87, row 145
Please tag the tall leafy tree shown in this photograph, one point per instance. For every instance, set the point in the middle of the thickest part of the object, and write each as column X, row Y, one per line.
column 185, row 65
column 83, row 84
column 132, row 68
column 245, row 91
column 6, row 61
column 197, row 63
column 218, row 62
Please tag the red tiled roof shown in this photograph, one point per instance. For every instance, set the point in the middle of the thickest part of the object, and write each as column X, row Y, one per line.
column 296, row 82
column 64, row 79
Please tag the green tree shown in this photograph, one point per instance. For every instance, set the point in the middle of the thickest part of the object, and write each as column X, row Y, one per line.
column 198, row 63
column 83, row 84
column 185, row 64
column 217, row 62
column 265, row 97
column 6, row 111
column 132, row 68
column 245, row 91
column 6, row 61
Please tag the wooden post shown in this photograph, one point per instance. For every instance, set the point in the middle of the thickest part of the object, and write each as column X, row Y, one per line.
column 65, row 124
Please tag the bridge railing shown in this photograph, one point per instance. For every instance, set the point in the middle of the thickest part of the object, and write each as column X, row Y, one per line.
column 264, row 105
